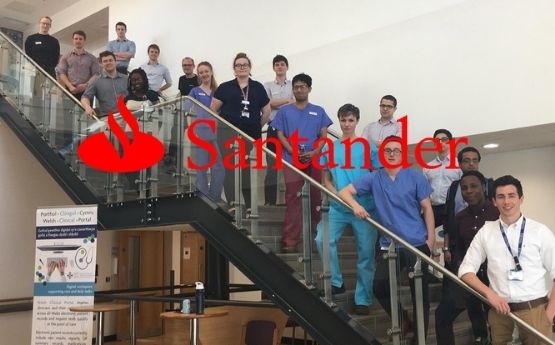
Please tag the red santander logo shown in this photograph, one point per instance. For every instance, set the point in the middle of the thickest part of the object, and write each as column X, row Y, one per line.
column 139, row 151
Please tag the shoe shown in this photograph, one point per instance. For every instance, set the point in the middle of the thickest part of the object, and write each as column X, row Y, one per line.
column 337, row 290
column 289, row 249
column 361, row 310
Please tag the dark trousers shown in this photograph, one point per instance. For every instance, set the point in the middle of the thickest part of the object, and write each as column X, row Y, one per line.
column 454, row 300
column 224, row 134
column 405, row 260
column 439, row 214
column 70, row 112
column 270, row 181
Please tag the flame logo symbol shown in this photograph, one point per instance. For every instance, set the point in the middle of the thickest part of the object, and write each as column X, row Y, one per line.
column 141, row 152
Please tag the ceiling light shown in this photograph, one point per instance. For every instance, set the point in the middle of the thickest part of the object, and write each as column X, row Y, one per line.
column 490, row 146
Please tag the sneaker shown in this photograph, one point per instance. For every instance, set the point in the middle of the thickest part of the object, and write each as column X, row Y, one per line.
column 361, row 310
column 337, row 290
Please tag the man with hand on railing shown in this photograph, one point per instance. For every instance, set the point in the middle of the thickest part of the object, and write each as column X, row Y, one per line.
column 402, row 199
column 341, row 217
column 454, row 299
column 520, row 254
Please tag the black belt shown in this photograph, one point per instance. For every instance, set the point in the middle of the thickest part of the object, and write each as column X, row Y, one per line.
column 528, row 305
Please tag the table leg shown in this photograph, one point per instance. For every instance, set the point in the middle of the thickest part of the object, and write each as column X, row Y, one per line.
column 194, row 332
column 99, row 327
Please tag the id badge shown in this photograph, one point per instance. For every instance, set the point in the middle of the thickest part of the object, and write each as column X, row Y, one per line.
column 245, row 102
column 516, row 275
column 245, row 114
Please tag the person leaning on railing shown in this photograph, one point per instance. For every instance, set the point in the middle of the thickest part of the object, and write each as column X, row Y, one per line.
column 520, row 254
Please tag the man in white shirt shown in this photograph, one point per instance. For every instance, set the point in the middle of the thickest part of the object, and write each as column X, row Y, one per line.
column 280, row 93
column 376, row 132
column 442, row 175
column 520, row 254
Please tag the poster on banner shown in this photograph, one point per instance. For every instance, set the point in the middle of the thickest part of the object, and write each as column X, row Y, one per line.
column 64, row 275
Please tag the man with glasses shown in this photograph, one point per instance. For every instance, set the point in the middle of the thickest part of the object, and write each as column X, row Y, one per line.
column 441, row 175
column 123, row 49
column 309, row 122
column 376, row 132
column 189, row 80
column 43, row 48
column 403, row 205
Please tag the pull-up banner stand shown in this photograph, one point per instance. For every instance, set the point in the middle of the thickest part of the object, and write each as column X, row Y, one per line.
column 65, row 261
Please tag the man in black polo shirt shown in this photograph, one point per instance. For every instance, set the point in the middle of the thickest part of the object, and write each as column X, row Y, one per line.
column 189, row 80
column 43, row 48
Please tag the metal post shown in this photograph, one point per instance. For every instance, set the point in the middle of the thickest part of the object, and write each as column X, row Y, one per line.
column 307, row 237
column 253, row 216
column 100, row 328
column 194, row 332
column 154, row 170
column 326, row 271
column 417, row 276
column 238, row 204
column 395, row 330
column 132, row 330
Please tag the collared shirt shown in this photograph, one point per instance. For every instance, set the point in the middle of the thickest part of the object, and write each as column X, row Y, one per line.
column 398, row 203
column 441, row 178
column 469, row 221
column 107, row 90
column 122, row 46
column 45, row 50
column 156, row 74
column 79, row 68
column 308, row 121
column 376, row 131
column 537, row 259
column 278, row 91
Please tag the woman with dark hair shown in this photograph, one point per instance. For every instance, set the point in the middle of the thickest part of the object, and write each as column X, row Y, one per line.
column 244, row 103
column 203, row 94
column 137, row 86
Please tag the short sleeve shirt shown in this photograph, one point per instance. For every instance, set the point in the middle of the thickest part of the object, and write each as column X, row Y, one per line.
column 308, row 122
column 398, row 202
column 201, row 130
column 79, row 68
column 278, row 91
column 156, row 74
column 229, row 93
column 122, row 46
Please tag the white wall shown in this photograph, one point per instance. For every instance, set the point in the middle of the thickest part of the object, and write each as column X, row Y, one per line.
column 473, row 66
column 535, row 168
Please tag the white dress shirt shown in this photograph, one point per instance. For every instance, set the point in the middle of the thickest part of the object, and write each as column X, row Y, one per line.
column 376, row 132
column 537, row 259
column 441, row 178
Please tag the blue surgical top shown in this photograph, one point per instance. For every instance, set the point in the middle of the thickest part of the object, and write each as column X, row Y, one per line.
column 398, row 202
column 308, row 121
column 342, row 176
column 201, row 130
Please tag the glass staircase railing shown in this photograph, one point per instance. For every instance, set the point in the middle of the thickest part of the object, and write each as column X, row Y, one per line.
column 233, row 179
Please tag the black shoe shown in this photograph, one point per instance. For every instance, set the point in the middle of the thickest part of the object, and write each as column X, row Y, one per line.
column 361, row 310
column 337, row 290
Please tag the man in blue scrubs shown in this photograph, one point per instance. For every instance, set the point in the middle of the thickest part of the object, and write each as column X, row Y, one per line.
column 402, row 199
column 336, row 178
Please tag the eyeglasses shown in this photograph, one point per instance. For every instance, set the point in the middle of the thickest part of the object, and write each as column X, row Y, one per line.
column 470, row 160
column 300, row 87
column 395, row 152
column 386, row 106
column 187, row 65
column 242, row 65
column 443, row 139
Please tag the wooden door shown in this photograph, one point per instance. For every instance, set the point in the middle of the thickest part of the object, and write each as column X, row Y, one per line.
column 193, row 258
column 141, row 265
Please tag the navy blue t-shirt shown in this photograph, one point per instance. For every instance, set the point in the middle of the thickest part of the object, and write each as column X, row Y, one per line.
column 231, row 96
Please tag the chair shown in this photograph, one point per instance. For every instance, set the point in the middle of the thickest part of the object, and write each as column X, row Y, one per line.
column 259, row 332
column 292, row 323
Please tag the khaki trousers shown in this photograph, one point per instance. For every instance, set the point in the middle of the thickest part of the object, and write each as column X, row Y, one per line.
column 502, row 326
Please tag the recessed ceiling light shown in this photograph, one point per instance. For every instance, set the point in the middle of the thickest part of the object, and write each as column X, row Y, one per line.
column 490, row 146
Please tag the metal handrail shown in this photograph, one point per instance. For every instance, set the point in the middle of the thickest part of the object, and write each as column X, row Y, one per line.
column 46, row 74
column 389, row 233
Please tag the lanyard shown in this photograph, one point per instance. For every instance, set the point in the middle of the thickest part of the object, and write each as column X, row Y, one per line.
column 521, row 237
